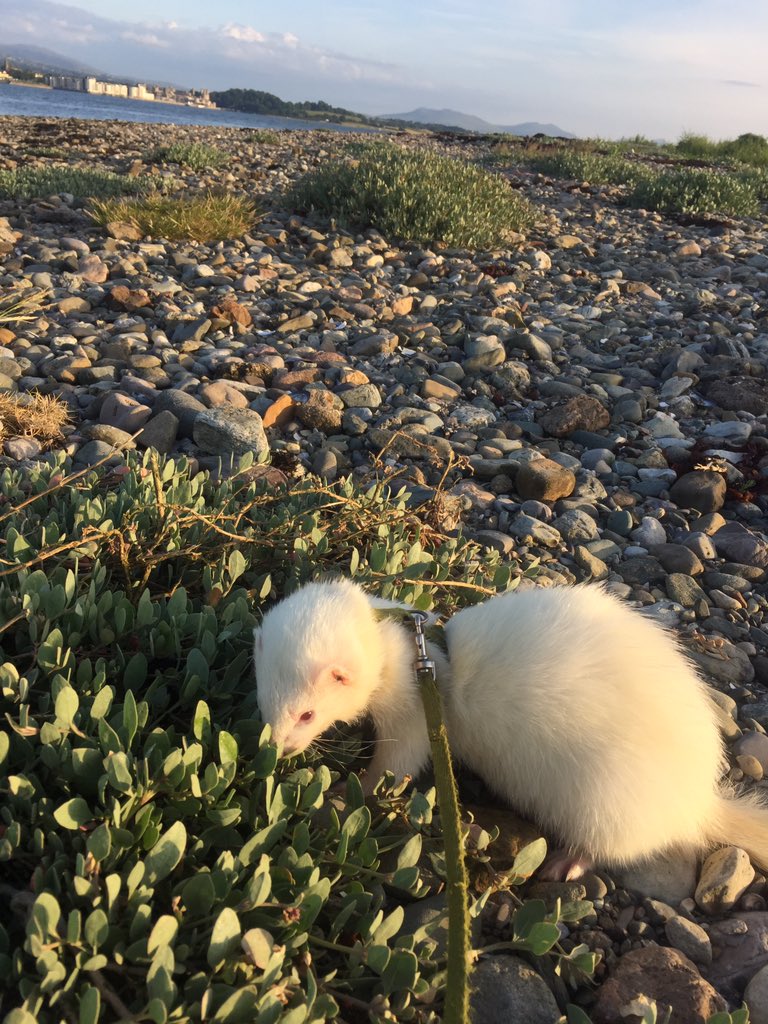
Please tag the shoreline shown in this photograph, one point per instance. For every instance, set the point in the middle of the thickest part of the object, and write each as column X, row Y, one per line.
column 28, row 85
column 113, row 107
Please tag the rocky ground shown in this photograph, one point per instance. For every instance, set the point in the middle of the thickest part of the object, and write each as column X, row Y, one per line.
column 593, row 398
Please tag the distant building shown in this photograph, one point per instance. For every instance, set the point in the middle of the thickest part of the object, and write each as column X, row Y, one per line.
column 95, row 86
column 161, row 93
column 200, row 98
column 69, row 82
column 99, row 88
column 140, row 92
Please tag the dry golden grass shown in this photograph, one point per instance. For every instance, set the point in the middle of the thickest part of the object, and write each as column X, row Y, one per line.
column 206, row 218
column 21, row 308
column 41, row 417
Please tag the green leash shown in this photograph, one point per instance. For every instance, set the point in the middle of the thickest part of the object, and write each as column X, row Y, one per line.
column 456, row 1010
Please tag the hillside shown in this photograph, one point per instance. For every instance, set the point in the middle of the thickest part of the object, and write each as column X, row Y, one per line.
column 38, row 58
column 471, row 123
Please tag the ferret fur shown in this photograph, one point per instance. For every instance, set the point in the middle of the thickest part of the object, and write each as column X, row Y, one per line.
column 574, row 708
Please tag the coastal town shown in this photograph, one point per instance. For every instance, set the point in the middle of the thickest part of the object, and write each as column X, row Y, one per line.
column 11, row 73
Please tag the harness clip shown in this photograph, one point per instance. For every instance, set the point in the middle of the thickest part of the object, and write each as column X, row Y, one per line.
column 423, row 662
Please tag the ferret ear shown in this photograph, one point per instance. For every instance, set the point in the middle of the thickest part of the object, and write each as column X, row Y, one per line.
column 335, row 675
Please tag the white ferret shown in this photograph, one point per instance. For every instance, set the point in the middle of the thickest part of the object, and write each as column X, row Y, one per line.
column 575, row 709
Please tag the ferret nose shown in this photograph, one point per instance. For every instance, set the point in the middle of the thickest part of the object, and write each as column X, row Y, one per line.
column 284, row 745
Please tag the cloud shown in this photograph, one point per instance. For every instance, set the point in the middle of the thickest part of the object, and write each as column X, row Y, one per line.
column 144, row 39
column 231, row 54
column 594, row 67
column 243, row 33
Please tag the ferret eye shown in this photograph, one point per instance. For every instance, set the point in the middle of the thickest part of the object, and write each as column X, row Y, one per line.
column 307, row 716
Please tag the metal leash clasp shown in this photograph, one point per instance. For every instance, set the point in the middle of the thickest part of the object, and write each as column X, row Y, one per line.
column 423, row 662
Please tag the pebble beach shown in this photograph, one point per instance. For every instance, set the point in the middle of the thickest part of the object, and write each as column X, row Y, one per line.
column 591, row 401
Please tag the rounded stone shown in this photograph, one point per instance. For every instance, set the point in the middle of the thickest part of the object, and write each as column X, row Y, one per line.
column 582, row 412
column 681, row 588
column 364, row 396
column 506, row 988
column 230, row 432
column 576, row 526
column 725, row 876
column 123, row 412
column 756, row 997
column 322, row 411
column 219, row 393
column 93, row 452
column 753, row 744
column 620, row 522
column 544, row 480
column 661, row 974
column 701, row 489
column 160, row 432
column 690, row 938
column 325, row 464
column 185, row 407
column 649, row 532
column 21, row 448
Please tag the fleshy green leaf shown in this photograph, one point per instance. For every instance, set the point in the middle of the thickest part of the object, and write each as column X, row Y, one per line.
column 165, row 854
column 225, row 937
column 73, row 813
column 530, row 858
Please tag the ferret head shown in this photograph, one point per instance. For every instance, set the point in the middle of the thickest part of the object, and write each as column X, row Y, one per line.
column 318, row 659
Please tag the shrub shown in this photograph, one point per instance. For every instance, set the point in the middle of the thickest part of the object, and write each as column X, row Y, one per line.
column 420, row 196
column 265, row 137
column 698, row 147
column 697, row 193
column 755, row 178
column 38, row 182
column 158, row 861
column 748, row 148
column 599, row 169
column 196, row 155
column 205, row 218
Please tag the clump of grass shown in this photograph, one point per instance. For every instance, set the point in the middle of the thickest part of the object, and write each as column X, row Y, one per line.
column 198, row 156
column 597, row 168
column 683, row 191
column 37, row 182
column 264, row 137
column 697, row 193
column 53, row 152
column 22, row 308
column 748, row 148
column 209, row 217
column 420, row 196
column 38, row 416
column 638, row 144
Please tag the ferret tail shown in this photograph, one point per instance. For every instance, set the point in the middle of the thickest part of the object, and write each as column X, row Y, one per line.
column 741, row 821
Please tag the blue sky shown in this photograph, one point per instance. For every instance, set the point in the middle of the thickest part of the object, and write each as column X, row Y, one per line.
column 593, row 67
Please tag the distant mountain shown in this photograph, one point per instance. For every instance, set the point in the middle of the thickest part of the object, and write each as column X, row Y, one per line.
column 38, row 58
column 470, row 123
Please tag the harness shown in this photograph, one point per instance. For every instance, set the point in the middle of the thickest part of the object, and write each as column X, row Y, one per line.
column 415, row 621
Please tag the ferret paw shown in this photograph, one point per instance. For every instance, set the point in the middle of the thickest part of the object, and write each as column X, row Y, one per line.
column 563, row 866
